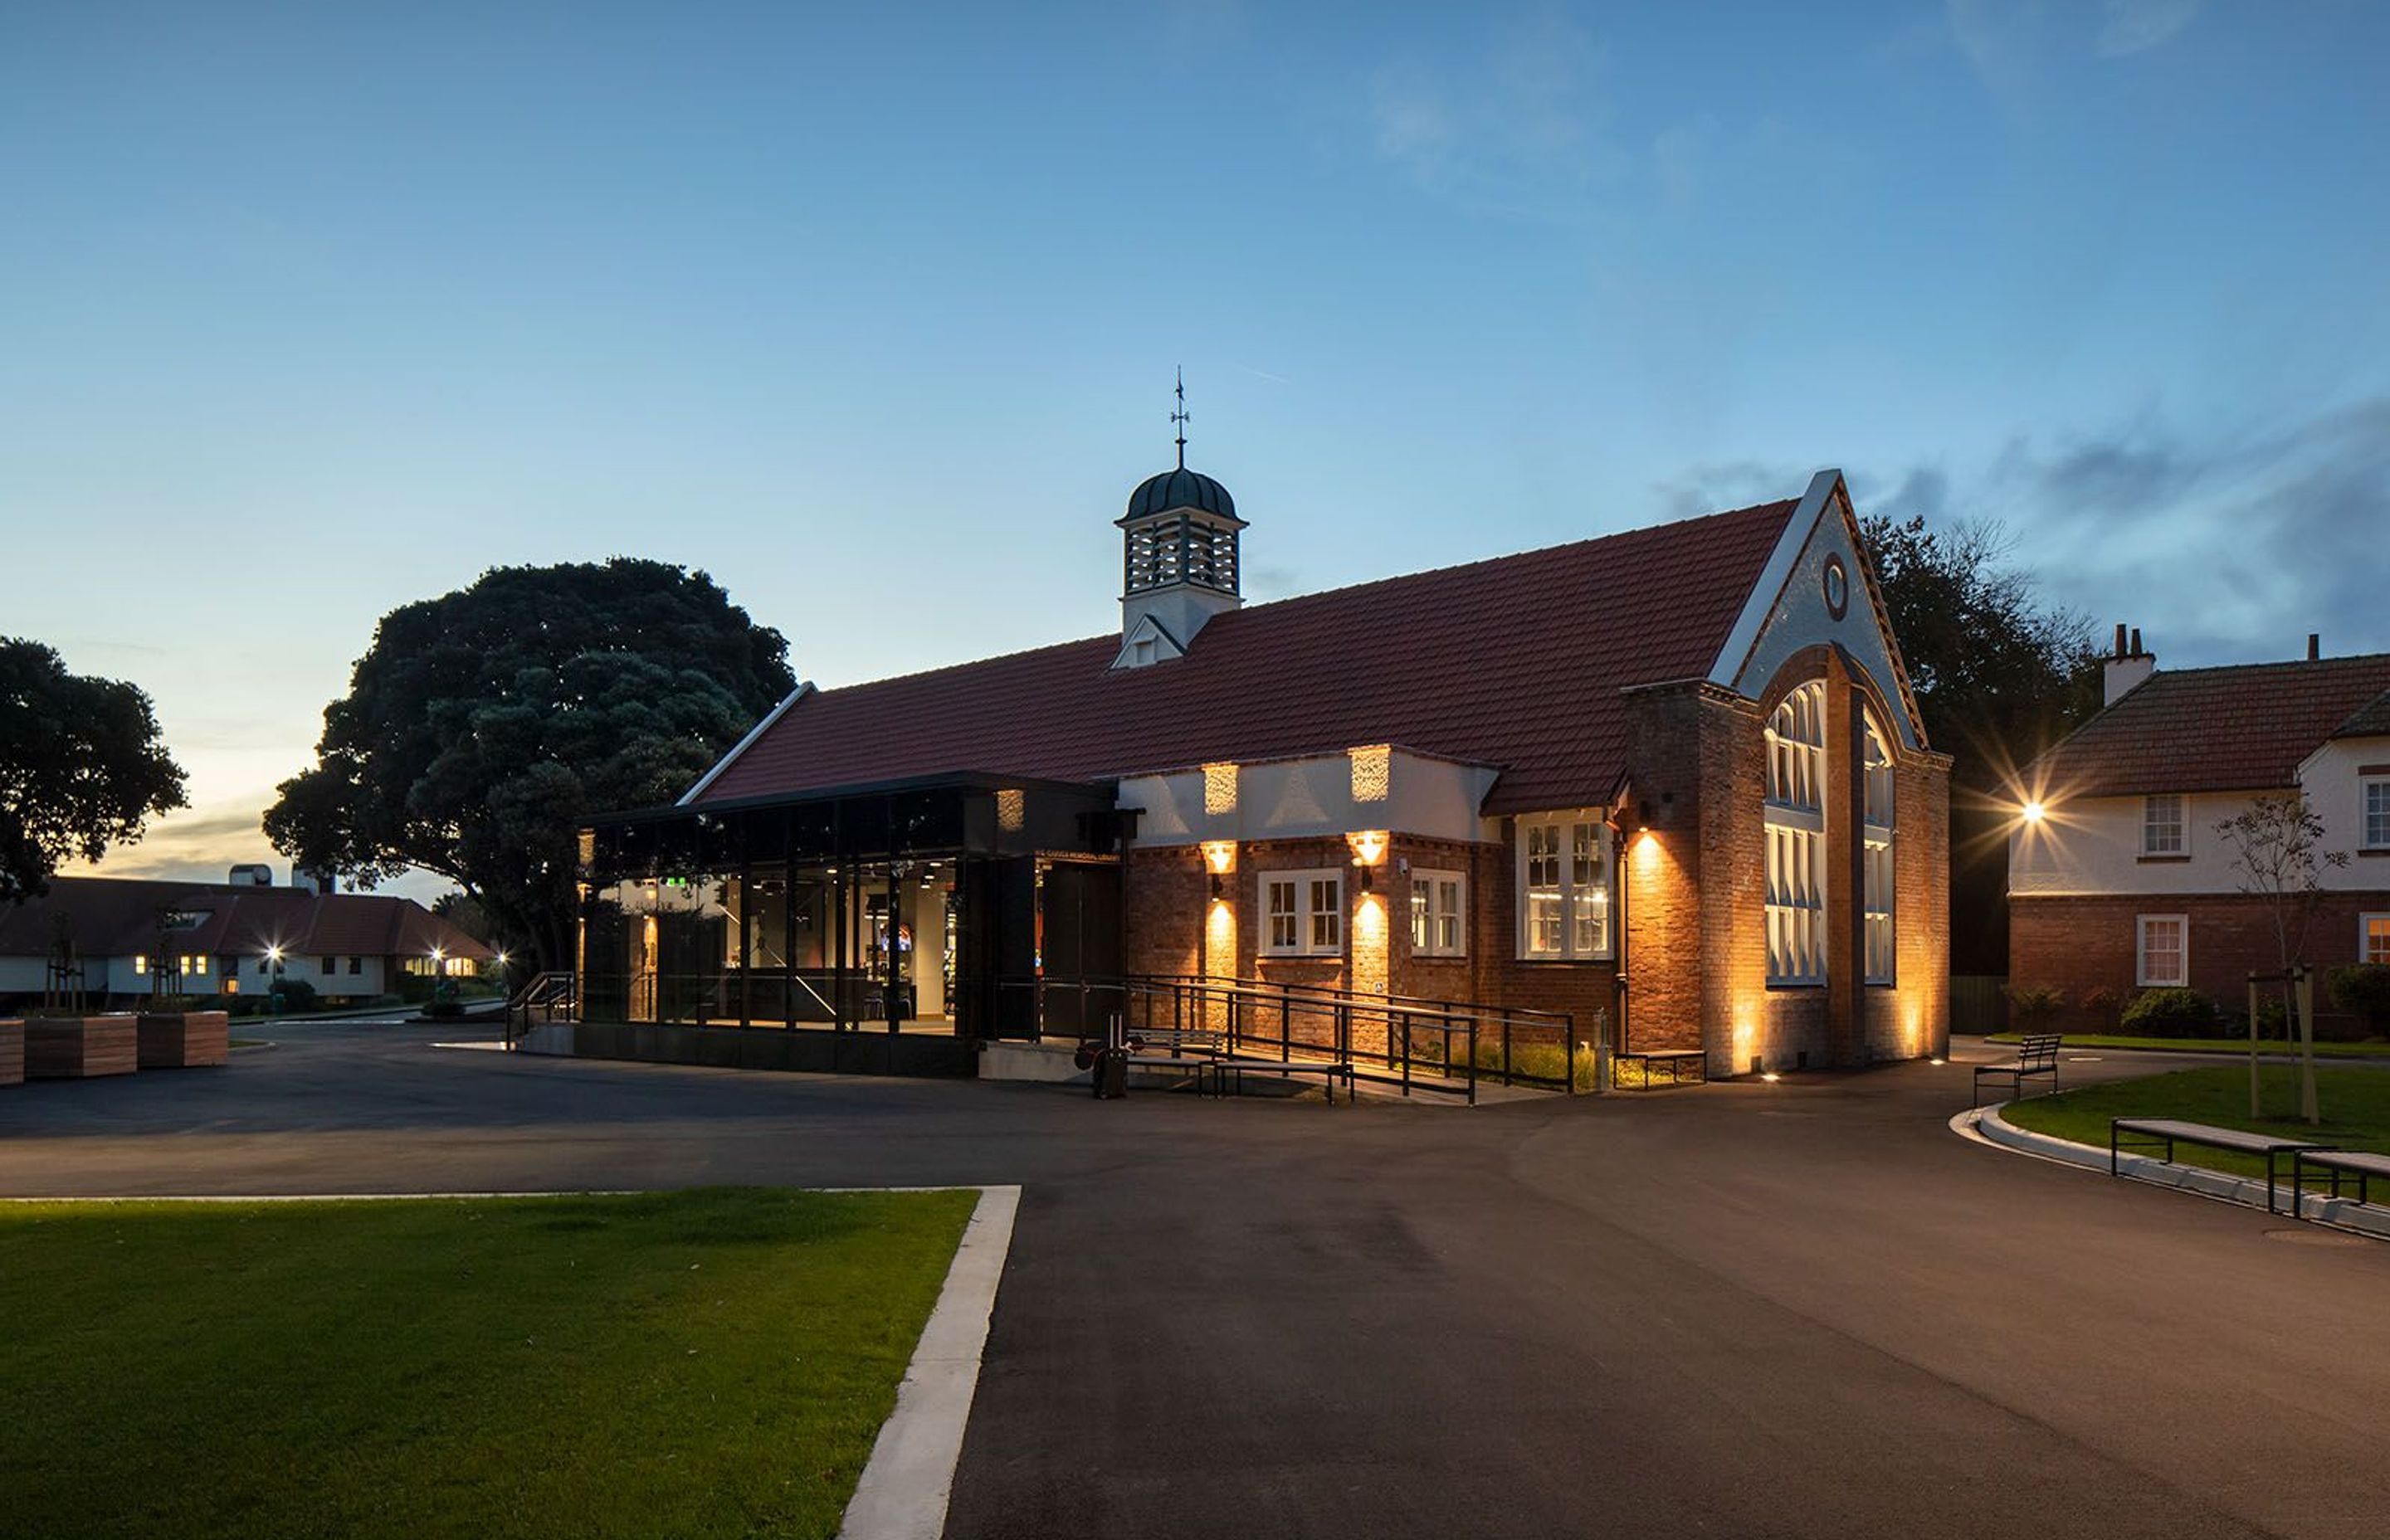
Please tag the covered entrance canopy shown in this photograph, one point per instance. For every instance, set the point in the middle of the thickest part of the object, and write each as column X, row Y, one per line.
column 901, row 906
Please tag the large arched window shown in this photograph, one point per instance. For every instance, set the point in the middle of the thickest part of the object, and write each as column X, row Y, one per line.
column 1881, row 953
column 1795, row 827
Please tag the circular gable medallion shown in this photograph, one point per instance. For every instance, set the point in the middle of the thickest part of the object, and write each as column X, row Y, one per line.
column 1838, row 587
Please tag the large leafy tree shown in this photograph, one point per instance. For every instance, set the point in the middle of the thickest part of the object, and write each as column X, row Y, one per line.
column 2000, row 675
column 82, row 767
column 481, row 727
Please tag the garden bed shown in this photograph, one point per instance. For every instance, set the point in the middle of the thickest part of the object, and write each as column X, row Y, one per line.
column 12, row 1052
column 183, row 1039
column 78, row 1047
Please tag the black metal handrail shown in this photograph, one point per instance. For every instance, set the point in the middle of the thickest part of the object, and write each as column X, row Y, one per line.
column 1411, row 1041
column 547, row 995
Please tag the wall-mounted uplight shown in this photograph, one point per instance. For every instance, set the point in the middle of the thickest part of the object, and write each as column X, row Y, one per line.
column 1220, row 857
column 1368, row 846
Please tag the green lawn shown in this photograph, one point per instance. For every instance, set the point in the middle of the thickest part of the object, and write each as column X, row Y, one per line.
column 2356, row 1108
column 2207, row 1045
column 706, row 1362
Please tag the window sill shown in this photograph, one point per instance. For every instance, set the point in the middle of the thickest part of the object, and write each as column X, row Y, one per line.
column 2160, row 860
column 1567, row 962
column 2373, row 852
column 1796, row 983
column 1298, row 956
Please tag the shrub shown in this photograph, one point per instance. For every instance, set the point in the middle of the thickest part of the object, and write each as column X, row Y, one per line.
column 2363, row 990
column 443, row 1010
column 2171, row 1013
column 2031, row 1005
column 2103, row 1004
column 2273, row 1017
column 297, row 994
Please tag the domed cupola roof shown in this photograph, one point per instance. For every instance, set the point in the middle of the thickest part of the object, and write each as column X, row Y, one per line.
column 1181, row 488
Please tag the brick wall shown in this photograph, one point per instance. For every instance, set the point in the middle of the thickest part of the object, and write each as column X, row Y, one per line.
column 2079, row 944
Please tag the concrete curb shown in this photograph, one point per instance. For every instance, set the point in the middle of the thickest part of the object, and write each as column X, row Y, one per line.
column 904, row 1490
column 1986, row 1125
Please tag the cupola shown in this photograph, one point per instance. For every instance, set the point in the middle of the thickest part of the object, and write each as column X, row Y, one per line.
column 1178, row 559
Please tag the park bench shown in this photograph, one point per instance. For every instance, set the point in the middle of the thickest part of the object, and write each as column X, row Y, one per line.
column 2037, row 1055
column 1678, row 1062
column 2154, row 1132
column 2340, row 1165
column 1227, row 1072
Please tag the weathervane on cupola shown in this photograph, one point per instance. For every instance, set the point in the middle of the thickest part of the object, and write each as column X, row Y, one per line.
column 1179, row 556
column 1179, row 418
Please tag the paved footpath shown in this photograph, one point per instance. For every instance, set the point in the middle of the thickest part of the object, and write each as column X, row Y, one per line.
column 1801, row 1309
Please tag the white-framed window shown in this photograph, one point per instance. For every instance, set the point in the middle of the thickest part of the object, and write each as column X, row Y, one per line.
column 1565, row 868
column 2373, row 812
column 2373, row 938
column 1794, row 821
column 2164, row 831
column 1302, row 914
column 1881, row 951
column 195, row 966
column 2162, row 951
column 1439, row 902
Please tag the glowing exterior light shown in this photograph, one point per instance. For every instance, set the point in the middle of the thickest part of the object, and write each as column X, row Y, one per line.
column 2034, row 811
column 273, row 954
column 1219, row 790
column 1771, row 1077
column 1220, row 857
column 1368, row 846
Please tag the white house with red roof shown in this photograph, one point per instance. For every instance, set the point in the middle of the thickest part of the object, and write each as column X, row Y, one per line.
column 2119, row 879
column 1668, row 786
column 136, row 937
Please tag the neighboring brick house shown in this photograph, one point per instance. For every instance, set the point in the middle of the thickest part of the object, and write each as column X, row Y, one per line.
column 138, row 936
column 1672, row 780
column 2123, row 881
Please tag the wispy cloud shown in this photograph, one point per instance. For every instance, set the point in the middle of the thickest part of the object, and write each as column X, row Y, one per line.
column 2220, row 548
column 1518, row 121
column 2010, row 43
column 2135, row 25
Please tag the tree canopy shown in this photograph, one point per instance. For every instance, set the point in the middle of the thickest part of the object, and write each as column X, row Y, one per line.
column 82, row 767
column 483, row 728
column 1999, row 675
column 1999, row 678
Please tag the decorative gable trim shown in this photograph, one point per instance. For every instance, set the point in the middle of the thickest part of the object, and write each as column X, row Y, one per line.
column 1770, row 602
column 804, row 687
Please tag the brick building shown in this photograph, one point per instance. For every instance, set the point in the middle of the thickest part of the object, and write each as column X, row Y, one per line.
column 2119, row 879
column 1671, row 781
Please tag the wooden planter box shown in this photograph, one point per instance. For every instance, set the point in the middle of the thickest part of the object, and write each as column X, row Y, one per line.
column 12, row 1053
column 183, row 1039
column 71, row 1047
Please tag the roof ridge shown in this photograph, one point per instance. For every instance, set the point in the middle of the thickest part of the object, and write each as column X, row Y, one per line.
column 1110, row 639
column 2270, row 663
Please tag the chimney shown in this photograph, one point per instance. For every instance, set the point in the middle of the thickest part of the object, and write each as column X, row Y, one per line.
column 2315, row 646
column 2128, row 667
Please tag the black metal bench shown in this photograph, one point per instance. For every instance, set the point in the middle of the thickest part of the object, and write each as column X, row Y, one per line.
column 2154, row 1132
column 2340, row 1165
column 1678, row 1061
column 1230, row 1070
column 2037, row 1055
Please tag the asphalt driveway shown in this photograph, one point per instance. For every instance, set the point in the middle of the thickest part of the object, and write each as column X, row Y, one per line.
column 1801, row 1309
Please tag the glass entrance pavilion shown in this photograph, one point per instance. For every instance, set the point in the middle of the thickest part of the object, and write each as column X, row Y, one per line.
column 910, row 908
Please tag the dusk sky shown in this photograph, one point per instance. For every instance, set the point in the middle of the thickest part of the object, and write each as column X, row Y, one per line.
column 871, row 310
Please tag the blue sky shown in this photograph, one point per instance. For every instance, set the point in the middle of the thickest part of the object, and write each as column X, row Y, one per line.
column 871, row 310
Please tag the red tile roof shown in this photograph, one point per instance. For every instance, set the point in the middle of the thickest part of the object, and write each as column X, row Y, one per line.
column 117, row 917
column 2243, row 728
column 1517, row 663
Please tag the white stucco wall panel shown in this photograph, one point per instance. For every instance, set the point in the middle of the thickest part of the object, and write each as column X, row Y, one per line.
column 1300, row 798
